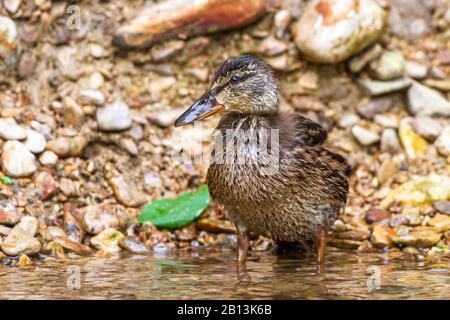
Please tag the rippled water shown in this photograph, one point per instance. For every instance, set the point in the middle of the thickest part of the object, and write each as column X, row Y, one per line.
column 209, row 275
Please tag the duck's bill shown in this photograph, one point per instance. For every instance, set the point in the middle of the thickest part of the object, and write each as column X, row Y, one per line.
column 203, row 108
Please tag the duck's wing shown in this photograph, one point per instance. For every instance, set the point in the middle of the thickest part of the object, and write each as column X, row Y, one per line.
column 308, row 132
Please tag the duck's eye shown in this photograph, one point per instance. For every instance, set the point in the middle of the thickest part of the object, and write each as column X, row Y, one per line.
column 234, row 79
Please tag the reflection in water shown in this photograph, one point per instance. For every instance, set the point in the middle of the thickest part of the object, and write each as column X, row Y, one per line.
column 214, row 276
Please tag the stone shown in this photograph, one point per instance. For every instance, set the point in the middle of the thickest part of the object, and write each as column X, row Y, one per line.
column 12, row 5
column 381, row 236
column 46, row 184
column 8, row 37
column 27, row 65
column 73, row 113
column 416, row 70
column 442, row 207
column 9, row 214
column 165, row 118
column 167, row 20
column 164, row 248
column 10, row 130
column 65, row 147
column 386, row 121
column 348, row 120
column 427, row 127
column 390, row 65
column 73, row 246
column 17, row 161
column 279, row 63
column 126, row 194
column 364, row 136
column 389, row 141
column 409, row 19
column 420, row 237
column 331, row 31
column 152, row 180
column 216, row 226
column 441, row 222
column 425, row 101
column 377, row 215
column 35, row 142
column 375, row 106
column 388, row 169
column 48, row 158
column 114, row 117
column 91, row 96
column 68, row 187
column 354, row 234
column 24, row 261
column 107, row 240
column 358, row 62
column 345, row 243
column 442, row 143
column 54, row 232
column 377, row 88
column 281, row 21
column 415, row 146
column 21, row 238
column 170, row 50
column 420, row 190
column 4, row 231
column 132, row 246
column 271, row 46
column 162, row 84
column 99, row 217
column 442, row 85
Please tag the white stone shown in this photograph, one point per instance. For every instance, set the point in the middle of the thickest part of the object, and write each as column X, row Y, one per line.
column 17, row 160
column 365, row 136
column 114, row 117
column 35, row 141
column 10, row 130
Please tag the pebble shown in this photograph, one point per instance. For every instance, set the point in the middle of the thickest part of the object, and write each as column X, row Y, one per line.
column 12, row 5
column 35, row 142
column 441, row 222
column 415, row 146
column 73, row 113
column 73, row 246
column 162, row 84
column 387, row 170
column 132, row 246
column 442, row 85
column 271, row 46
column 46, row 185
column 10, row 130
column 390, row 65
column 355, row 234
column 114, row 117
column 27, row 65
column 377, row 88
column 17, row 161
column 99, row 217
column 129, row 146
column 126, row 194
column 48, row 158
column 9, row 214
column 96, row 80
column 216, row 226
column 331, row 31
column 416, row 70
column 152, row 180
column 425, row 101
column 68, row 187
column 377, row 215
column 357, row 63
column 8, row 36
column 164, row 248
column 427, row 127
column 165, row 118
column 4, row 231
column 24, row 261
column 442, row 207
column 21, row 238
column 409, row 19
column 389, row 141
column 386, row 121
column 442, row 143
column 381, row 236
column 348, row 120
column 54, row 232
column 91, row 96
column 364, row 136
column 107, row 240
column 419, row 237
column 375, row 106
column 65, row 147
column 345, row 243
column 281, row 21
column 279, row 63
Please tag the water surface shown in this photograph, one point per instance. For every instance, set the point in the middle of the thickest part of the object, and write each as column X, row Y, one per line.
column 208, row 275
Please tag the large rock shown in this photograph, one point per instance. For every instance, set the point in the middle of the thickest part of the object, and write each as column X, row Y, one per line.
column 425, row 101
column 114, row 117
column 17, row 161
column 331, row 31
column 176, row 18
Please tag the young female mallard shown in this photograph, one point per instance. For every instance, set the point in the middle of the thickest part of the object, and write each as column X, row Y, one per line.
column 267, row 168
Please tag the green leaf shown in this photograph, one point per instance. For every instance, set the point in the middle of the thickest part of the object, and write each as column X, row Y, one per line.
column 175, row 213
column 6, row 180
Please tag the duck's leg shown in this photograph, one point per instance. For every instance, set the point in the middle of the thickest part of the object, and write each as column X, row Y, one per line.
column 321, row 244
column 243, row 242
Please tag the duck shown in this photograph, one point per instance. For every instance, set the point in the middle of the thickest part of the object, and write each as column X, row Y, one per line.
column 269, row 169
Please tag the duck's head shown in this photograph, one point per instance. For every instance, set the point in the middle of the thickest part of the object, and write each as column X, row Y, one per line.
column 244, row 85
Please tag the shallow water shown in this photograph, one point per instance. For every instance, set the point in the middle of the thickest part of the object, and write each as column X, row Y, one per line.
column 207, row 275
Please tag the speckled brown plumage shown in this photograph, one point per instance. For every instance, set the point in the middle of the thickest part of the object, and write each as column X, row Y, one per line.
column 284, row 185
